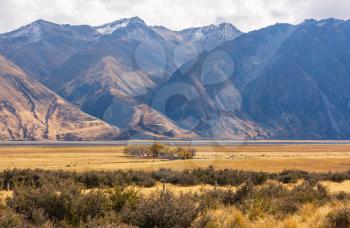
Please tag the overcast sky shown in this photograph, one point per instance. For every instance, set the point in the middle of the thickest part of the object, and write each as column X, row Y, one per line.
column 175, row 14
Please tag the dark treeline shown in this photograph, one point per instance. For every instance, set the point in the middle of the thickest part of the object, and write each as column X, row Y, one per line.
column 10, row 179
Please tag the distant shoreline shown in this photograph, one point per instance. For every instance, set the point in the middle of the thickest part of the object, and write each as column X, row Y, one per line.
column 172, row 142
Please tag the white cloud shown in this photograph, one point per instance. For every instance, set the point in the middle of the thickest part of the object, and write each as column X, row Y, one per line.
column 176, row 14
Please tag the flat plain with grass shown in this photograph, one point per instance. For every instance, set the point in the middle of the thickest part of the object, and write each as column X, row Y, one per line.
column 267, row 158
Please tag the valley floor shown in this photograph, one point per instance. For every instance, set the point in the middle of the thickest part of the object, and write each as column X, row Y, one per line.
column 268, row 158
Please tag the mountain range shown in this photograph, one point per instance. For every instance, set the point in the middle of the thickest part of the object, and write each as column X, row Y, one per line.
column 129, row 80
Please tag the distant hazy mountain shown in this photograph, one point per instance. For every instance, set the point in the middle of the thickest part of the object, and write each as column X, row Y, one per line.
column 29, row 111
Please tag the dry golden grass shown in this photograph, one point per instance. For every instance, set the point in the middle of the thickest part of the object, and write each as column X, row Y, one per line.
column 337, row 187
column 4, row 195
column 269, row 158
column 181, row 189
column 309, row 216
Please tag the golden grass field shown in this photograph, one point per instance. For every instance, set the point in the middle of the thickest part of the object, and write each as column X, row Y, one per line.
column 268, row 158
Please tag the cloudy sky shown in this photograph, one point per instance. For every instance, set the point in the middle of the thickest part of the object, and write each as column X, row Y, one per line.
column 176, row 14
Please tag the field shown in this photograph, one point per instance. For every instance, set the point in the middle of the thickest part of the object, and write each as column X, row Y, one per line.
column 268, row 158
column 231, row 193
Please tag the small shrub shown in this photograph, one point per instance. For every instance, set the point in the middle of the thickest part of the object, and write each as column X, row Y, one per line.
column 339, row 218
column 276, row 200
column 185, row 178
column 9, row 219
column 162, row 210
column 110, row 220
column 68, row 204
column 291, row 176
column 121, row 197
column 93, row 205
column 308, row 193
column 2, row 183
column 342, row 196
column 337, row 177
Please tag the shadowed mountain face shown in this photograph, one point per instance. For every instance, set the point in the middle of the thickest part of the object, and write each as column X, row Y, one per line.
column 305, row 89
column 283, row 82
column 29, row 111
column 290, row 81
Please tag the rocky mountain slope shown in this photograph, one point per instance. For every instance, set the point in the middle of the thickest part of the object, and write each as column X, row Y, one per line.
column 125, row 65
column 282, row 82
column 291, row 81
column 29, row 111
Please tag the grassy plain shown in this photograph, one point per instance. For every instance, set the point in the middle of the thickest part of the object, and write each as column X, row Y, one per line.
column 268, row 158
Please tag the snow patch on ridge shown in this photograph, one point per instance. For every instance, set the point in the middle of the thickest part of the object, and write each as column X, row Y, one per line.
column 110, row 28
column 32, row 32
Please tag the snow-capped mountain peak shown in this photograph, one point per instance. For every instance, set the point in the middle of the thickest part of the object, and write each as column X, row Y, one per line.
column 215, row 31
column 212, row 35
column 109, row 28
column 32, row 31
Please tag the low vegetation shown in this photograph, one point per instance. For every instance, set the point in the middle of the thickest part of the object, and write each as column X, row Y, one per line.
column 108, row 199
column 160, row 151
column 12, row 179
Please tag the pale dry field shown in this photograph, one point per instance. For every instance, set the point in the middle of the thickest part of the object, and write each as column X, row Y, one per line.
column 269, row 158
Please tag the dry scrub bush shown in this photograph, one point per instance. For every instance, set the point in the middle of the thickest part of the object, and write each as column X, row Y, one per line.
column 99, row 179
column 120, row 197
column 269, row 199
column 339, row 218
column 42, row 198
column 9, row 219
column 162, row 209
column 66, row 205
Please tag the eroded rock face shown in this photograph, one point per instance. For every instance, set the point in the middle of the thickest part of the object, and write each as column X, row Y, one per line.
column 29, row 111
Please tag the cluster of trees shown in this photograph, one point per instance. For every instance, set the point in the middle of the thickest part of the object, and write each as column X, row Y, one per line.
column 160, row 151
